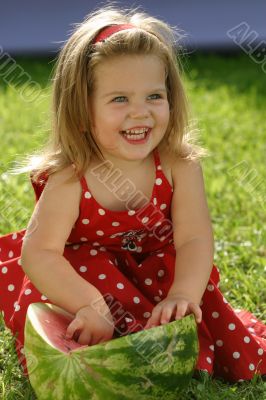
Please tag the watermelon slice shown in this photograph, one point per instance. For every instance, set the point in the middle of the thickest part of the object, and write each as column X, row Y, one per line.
column 150, row 364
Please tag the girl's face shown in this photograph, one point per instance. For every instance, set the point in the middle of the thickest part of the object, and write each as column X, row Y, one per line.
column 130, row 94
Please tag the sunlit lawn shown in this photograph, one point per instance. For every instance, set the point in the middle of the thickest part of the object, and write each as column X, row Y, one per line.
column 228, row 101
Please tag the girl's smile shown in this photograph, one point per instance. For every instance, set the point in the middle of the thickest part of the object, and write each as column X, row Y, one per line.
column 130, row 109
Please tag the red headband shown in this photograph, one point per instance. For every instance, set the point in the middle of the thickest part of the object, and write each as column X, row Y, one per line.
column 110, row 30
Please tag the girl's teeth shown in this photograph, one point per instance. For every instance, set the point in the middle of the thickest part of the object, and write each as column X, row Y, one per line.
column 137, row 134
column 135, row 137
column 137, row 131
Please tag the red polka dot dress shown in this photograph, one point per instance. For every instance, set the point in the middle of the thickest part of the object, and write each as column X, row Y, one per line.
column 130, row 257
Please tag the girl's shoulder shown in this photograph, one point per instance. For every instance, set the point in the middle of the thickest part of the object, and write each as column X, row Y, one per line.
column 176, row 168
column 56, row 212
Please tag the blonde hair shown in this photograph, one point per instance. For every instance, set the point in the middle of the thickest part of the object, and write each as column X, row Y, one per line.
column 71, row 141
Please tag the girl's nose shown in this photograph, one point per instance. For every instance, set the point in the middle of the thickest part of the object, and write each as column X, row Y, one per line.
column 139, row 111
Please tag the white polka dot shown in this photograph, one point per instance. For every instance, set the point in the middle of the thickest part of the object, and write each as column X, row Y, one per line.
column 231, row 327
column 236, row 355
column 160, row 292
column 224, row 300
column 131, row 212
column 14, row 236
column 85, row 221
column 162, row 238
column 209, row 360
column 211, row 347
column 11, row 288
column 155, row 201
column 210, row 288
column 96, row 244
column 139, row 265
column 147, row 315
column 160, row 255
column 102, row 276
column 148, row 281
column 215, row 314
column 115, row 223
column 219, row 343
column 251, row 367
column 253, row 320
column 10, row 254
column 93, row 252
column 27, row 292
column 83, row 268
column 157, row 298
column 163, row 206
column 17, row 307
column 159, row 167
column 44, row 297
column 22, row 350
column 19, row 261
column 240, row 380
column 4, row 270
column 83, row 239
column 144, row 220
column 102, row 248
column 75, row 247
column 120, row 286
column 101, row 211
column 260, row 352
column 87, row 195
column 100, row 233
column 128, row 319
column 161, row 273
column 158, row 181
column 136, row 300
column 246, row 339
column 252, row 330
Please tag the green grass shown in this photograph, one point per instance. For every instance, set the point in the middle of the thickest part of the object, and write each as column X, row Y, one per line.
column 228, row 100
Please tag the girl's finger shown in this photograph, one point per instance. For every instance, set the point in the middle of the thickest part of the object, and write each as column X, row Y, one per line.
column 154, row 319
column 85, row 338
column 166, row 314
column 73, row 327
column 196, row 311
column 181, row 309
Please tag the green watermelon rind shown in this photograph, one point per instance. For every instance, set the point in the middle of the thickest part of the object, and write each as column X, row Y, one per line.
column 141, row 365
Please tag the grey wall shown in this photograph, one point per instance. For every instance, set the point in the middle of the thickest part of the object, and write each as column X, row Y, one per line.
column 41, row 26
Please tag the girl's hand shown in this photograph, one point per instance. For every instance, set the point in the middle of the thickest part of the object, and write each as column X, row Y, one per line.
column 91, row 325
column 175, row 306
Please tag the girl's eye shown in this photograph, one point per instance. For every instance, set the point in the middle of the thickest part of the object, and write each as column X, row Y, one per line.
column 119, row 99
column 155, row 96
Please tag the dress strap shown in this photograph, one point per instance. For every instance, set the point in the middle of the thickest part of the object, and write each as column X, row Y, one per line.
column 156, row 157
column 82, row 180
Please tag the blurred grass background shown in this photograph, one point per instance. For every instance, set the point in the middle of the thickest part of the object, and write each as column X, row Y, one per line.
column 228, row 102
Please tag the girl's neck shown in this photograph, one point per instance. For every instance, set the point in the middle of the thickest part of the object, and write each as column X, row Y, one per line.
column 126, row 166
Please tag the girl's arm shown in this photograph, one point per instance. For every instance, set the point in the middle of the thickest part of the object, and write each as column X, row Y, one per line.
column 193, row 235
column 43, row 246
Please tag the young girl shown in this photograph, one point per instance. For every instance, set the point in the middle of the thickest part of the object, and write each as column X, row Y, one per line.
column 121, row 215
